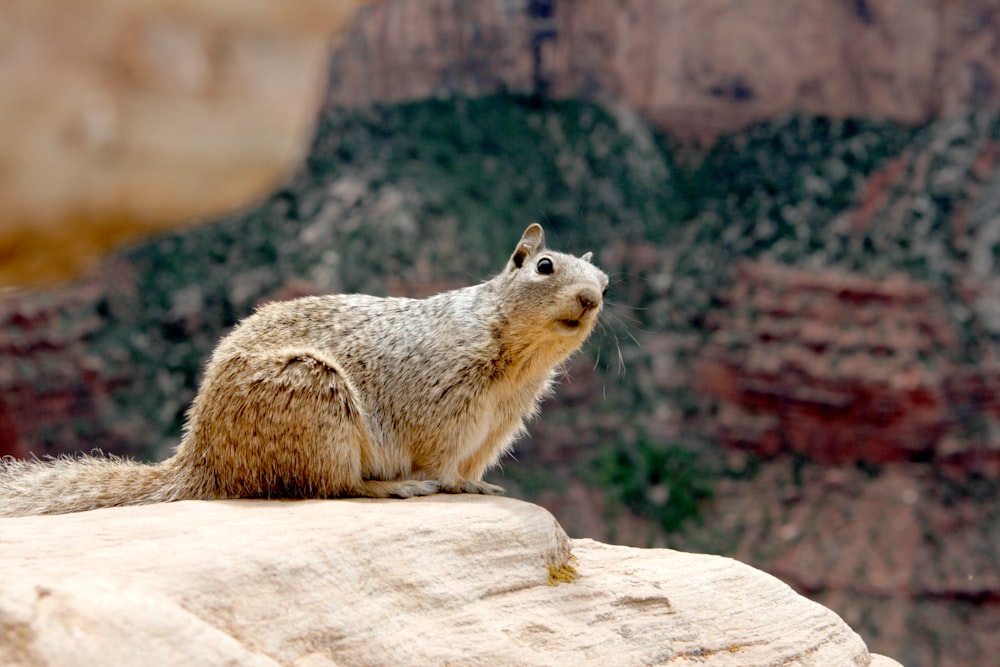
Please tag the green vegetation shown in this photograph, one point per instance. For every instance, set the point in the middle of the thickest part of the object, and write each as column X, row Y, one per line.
column 496, row 163
column 664, row 484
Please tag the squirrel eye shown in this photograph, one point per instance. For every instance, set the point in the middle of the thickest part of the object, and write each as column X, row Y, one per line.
column 545, row 266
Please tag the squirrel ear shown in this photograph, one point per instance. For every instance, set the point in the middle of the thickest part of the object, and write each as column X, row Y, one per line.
column 587, row 256
column 532, row 241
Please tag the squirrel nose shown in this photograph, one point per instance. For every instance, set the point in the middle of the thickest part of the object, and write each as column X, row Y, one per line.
column 588, row 299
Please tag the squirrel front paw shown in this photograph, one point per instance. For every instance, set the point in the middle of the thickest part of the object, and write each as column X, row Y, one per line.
column 472, row 486
column 405, row 488
column 415, row 487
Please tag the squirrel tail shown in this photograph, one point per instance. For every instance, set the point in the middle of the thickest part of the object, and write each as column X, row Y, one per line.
column 75, row 484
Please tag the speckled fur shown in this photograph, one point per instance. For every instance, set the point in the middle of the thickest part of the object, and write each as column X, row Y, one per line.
column 354, row 395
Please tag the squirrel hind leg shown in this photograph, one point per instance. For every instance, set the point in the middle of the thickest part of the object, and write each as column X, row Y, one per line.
column 285, row 424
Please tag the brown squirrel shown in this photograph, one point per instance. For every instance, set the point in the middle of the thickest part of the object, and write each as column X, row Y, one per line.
column 354, row 395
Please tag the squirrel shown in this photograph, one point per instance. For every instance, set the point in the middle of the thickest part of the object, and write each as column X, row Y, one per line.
column 354, row 395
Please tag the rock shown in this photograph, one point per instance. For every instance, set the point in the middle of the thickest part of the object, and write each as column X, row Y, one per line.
column 697, row 67
column 51, row 385
column 436, row 580
column 837, row 366
column 122, row 118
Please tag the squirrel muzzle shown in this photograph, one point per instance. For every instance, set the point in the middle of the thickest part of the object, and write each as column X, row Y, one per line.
column 589, row 301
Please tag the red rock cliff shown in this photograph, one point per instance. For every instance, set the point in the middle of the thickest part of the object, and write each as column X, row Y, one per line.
column 697, row 67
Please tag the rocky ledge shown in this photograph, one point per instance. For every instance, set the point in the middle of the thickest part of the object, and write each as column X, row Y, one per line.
column 440, row 580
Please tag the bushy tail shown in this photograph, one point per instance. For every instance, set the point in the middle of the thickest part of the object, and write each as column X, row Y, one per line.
column 70, row 484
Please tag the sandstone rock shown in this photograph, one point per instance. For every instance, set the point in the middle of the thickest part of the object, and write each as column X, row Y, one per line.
column 118, row 118
column 437, row 580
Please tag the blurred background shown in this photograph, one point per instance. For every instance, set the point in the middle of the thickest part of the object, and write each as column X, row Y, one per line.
column 798, row 204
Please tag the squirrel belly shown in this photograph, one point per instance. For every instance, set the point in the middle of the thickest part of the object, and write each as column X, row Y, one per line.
column 354, row 395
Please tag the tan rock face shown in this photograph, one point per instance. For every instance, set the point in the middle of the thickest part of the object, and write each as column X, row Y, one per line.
column 698, row 67
column 437, row 580
column 122, row 118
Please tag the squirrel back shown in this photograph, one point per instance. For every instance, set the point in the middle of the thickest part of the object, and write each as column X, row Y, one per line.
column 355, row 395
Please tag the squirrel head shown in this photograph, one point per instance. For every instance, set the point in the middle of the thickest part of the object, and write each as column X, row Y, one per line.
column 549, row 297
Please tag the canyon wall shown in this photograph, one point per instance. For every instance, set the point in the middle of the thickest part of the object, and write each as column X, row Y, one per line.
column 695, row 67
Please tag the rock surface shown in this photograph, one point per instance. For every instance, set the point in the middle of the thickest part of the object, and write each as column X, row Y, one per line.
column 437, row 580
column 697, row 67
column 829, row 364
column 122, row 118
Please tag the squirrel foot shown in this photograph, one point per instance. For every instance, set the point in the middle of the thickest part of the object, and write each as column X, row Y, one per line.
column 406, row 488
column 472, row 486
